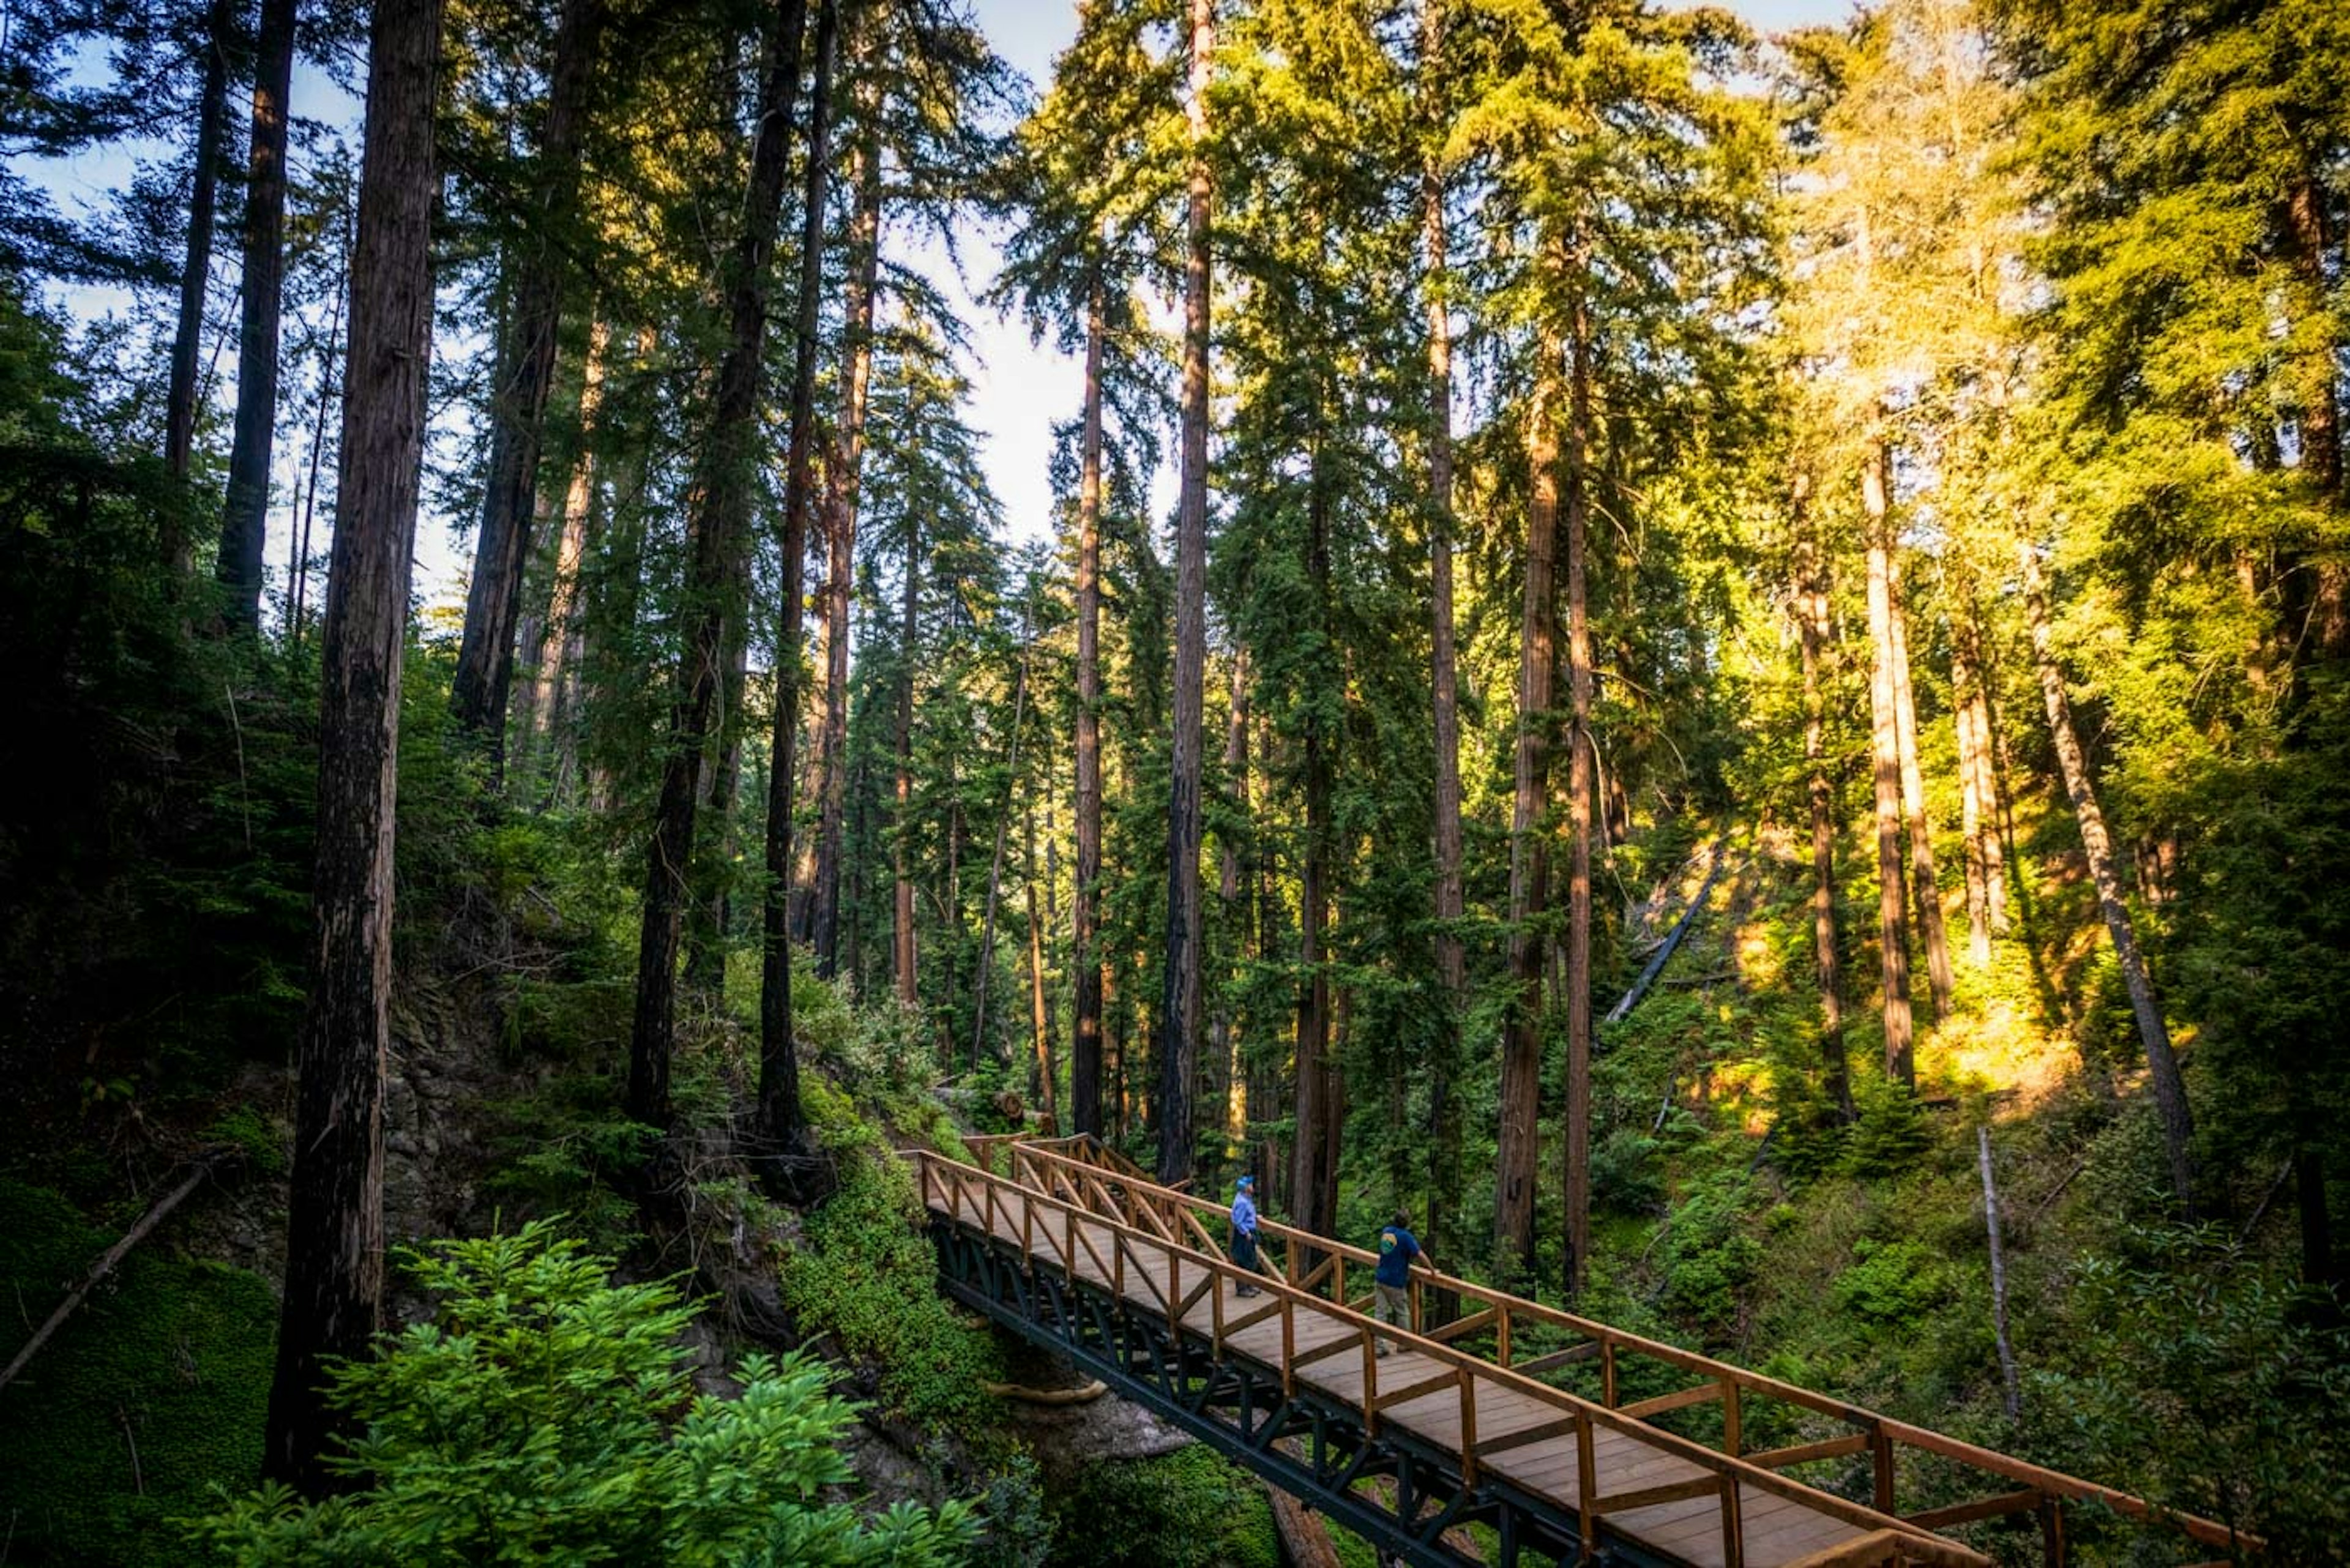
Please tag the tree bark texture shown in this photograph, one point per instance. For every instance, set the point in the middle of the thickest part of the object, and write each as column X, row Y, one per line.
column 901, row 821
column 2153, row 1034
column 781, row 1123
column 1451, row 954
column 719, row 521
column 1885, row 769
column 1817, row 632
column 1040, row 1013
column 996, row 862
column 1313, row 1153
column 1229, row 1088
column 195, row 272
column 1581, row 758
column 840, row 536
column 1084, row 961
column 557, row 678
column 1521, row 1101
column 1925, row 881
column 485, row 653
column 334, row 1232
column 1178, row 1014
column 244, row 518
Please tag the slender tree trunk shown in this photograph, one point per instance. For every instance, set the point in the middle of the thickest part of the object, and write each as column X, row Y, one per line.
column 721, row 518
column 298, row 578
column 1581, row 758
column 901, row 824
column 244, row 520
column 334, row 1232
column 484, row 676
column 2321, row 416
column 1179, row 1027
column 1451, row 954
column 2013, row 1393
column 1084, row 961
column 1521, row 1103
column 2162, row 1065
column 1885, row 758
column 1230, row 1090
column 195, row 273
column 1312, row 1198
column 840, row 532
column 1966, row 675
column 558, row 644
column 1040, row 1013
column 781, row 1121
column 1818, row 632
column 1924, row 879
column 711, row 877
column 995, row 863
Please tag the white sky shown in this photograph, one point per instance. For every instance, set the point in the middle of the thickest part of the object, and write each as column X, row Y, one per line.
column 1019, row 389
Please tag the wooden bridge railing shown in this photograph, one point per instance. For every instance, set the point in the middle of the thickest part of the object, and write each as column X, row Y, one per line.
column 1097, row 1177
column 1139, row 1253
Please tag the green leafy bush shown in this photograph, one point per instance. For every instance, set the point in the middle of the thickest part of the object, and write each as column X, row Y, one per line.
column 1709, row 1255
column 1189, row 1509
column 547, row 1415
column 1890, row 1134
column 1891, row 1283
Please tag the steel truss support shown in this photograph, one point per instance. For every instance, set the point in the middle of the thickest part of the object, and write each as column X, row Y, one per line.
column 1310, row 1445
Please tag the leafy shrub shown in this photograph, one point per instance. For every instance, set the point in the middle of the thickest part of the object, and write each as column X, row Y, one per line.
column 1707, row 1255
column 1189, row 1509
column 1627, row 1172
column 1892, row 1283
column 547, row 1415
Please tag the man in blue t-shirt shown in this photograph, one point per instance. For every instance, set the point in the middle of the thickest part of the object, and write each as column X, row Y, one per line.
column 1244, row 1232
column 1392, row 1281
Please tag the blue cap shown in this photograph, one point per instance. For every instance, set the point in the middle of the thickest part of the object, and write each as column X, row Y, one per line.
column 1247, row 1182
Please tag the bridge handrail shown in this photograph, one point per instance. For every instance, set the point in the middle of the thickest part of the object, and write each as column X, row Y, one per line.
column 1581, row 1415
column 1877, row 1433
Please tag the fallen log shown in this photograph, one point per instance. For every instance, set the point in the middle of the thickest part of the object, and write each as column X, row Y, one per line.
column 1663, row 956
column 1304, row 1537
column 1027, row 1396
column 105, row 1266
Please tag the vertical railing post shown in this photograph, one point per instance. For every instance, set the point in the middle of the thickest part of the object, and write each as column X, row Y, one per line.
column 1501, row 1333
column 1370, row 1384
column 1468, row 1430
column 1729, row 1432
column 1733, row 1525
column 2051, row 1532
column 1586, row 1483
column 1607, row 1372
column 1880, row 1445
column 1288, row 1346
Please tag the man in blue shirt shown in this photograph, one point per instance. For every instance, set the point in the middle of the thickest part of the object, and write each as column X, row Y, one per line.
column 1392, row 1281
column 1244, row 1232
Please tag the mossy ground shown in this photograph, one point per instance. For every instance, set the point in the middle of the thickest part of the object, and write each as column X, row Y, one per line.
column 149, row 1395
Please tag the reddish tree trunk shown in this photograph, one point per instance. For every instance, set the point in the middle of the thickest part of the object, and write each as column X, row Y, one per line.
column 333, row 1231
column 1817, row 632
column 1925, row 881
column 1521, row 1099
column 1581, row 758
column 1884, row 759
column 1179, row 1015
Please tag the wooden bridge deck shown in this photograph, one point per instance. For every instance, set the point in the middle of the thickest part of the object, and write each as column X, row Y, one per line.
column 1603, row 1463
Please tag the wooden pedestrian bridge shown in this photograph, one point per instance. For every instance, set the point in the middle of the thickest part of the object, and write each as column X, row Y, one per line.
column 1502, row 1431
